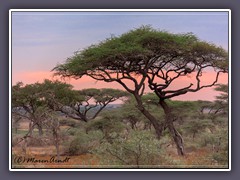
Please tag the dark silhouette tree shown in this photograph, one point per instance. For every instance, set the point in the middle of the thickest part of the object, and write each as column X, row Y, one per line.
column 158, row 58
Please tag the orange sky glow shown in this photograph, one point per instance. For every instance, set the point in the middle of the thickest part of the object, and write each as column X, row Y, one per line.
column 87, row 82
column 41, row 40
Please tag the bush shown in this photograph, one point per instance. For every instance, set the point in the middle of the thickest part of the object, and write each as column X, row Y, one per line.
column 108, row 125
column 217, row 140
column 37, row 142
column 73, row 131
column 221, row 157
column 68, row 122
column 83, row 143
column 140, row 149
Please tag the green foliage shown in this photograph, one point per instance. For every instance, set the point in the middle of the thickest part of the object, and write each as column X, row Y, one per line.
column 221, row 157
column 218, row 143
column 60, row 92
column 109, row 124
column 197, row 125
column 150, row 102
column 83, row 143
column 68, row 122
column 140, row 149
column 56, row 95
column 29, row 95
column 221, row 103
column 42, row 94
column 219, row 139
column 220, row 121
column 181, row 110
column 72, row 131
column 130, row 114
column 104, row 95
column 136, row 44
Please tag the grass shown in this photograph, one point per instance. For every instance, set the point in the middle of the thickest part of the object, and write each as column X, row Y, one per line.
column 198, row 159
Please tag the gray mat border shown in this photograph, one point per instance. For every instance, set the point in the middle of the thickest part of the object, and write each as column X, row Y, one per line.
column 170, row 4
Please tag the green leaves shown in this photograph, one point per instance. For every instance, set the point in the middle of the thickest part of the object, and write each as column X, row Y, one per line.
column 140, row 149
column 104, row 95
column 135, row 45
column 59, row 96
column 148, row 52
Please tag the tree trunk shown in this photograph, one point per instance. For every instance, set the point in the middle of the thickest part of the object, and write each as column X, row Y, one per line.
column 157, row 126
column 58, row 151
column 173, row 132
column 194, row 134
column 40, row 129
column 30, row 128
column 24, row 145
column 56, row 139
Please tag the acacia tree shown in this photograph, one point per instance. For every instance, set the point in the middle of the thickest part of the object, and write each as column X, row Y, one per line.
column 158, row 58
column 59, row 96
column 83, row 104
column 39, row 102
column 129, row 114
column 221, row 102
column 26, row 103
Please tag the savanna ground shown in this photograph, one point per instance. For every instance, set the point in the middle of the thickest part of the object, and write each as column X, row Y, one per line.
column 115, row 140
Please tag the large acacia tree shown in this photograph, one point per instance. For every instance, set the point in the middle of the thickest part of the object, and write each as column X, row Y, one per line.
column 146, row 56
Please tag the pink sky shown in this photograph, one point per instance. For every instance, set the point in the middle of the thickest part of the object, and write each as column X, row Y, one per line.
column 87, row 82
column 41, row 40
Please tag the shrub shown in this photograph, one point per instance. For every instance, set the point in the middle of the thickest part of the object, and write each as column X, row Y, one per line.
column 73, row 131
column 36, row 142
column 83, row 143
column 218, row 140
column 140, row 149
column 221, row 157
column 68, row 122
column 109, row 125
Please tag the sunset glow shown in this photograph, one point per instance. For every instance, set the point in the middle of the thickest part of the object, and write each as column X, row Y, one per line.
column 41, row 40
column 88, row 82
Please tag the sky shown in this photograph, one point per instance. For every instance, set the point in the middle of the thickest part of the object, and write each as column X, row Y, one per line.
column 41, row 40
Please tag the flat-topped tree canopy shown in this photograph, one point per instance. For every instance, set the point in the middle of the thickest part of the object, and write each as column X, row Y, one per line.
column 103, row 95
column 158, row 58
column 151, row 53
column 125, row 52
column 78, row 103
column 59, row 96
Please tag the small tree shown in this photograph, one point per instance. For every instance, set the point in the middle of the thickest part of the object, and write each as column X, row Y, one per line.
column 130, row 114
column 221, row 102
column 83, row 104
column 53, row 126
column 156, row 57
column 109, row 124
column 26, row 102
